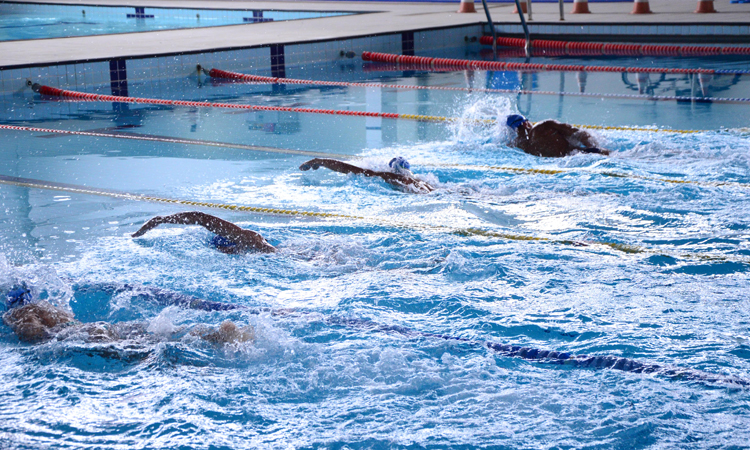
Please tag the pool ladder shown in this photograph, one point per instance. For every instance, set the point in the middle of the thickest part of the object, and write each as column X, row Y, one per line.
column 527, row 47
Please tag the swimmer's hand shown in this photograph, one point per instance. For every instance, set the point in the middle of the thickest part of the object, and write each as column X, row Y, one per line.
column 153, row 223
column 313, row 164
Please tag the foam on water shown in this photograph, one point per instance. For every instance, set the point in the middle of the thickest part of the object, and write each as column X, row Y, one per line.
column 471, row 131
column 348, row 316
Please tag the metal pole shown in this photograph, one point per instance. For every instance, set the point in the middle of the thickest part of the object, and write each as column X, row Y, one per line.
column 528, row 6
column 492, row 26
column 525, row 29
column 562, row 10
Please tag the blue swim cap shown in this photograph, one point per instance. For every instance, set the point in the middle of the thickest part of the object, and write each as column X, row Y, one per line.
column 515, row 120
column 19, row 296
column 221, row 242
column 398, row 163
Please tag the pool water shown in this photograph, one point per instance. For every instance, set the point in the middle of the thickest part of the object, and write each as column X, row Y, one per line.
column 20, row 21
column 308, row 381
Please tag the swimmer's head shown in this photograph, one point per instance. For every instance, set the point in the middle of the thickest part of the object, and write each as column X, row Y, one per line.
column 34, row 322
column 18, row 296
column 514, row 121
column 399, row 165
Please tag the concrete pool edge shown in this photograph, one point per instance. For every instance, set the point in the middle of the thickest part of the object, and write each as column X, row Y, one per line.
column 614, row 23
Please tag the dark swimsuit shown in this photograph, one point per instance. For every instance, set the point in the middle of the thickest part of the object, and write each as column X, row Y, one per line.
column 223, row 243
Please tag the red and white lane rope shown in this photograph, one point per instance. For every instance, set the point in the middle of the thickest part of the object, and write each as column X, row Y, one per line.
column 82, row 96
column 499, row 65
column 217, row 73
column 601, row 48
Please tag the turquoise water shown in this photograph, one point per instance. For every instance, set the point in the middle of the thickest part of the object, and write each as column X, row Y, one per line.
column 20, row 21
column 311, row 382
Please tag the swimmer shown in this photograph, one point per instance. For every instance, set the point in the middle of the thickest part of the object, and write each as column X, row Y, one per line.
column 40, row 321
column 229, row 237
column 551, row 138
column 400, row 177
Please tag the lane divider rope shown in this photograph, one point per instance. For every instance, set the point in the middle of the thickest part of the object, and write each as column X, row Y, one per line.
column 553, row 357
column 499, row 65
column 82, row 96
column 516, row 52
column 225, row 74
column 597, row 172
column 467, row 232
column 601, row 48
column 176, row 140
column 76, row 189
column 258, row 148
column 165, row 297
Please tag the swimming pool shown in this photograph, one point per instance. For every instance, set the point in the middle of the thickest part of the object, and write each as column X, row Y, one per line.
column 45, row 20
column 312, row 382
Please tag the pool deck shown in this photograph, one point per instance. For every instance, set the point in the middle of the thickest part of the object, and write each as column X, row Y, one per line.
column 383, row 18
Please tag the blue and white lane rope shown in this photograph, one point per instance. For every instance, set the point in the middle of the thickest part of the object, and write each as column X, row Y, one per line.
column 170, row 298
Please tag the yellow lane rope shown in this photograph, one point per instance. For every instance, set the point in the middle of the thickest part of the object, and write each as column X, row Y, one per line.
column 588, row 127
column 596, row 172
column 651, row 130
column 265, row 149
column 48, row 185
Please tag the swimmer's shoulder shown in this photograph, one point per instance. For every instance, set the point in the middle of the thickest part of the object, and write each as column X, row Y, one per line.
column 548, row 123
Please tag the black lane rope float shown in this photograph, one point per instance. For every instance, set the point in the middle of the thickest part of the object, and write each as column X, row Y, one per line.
column 466, row 232
column 170, row 298
column 287, row 151
column 225, row 74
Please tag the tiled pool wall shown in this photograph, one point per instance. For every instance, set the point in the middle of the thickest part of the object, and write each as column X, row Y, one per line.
column 655, row 33
column 93, row 11
column 281, row 60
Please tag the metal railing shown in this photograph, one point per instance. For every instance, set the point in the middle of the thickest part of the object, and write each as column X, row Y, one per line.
column 525, row 28
column 492, row 27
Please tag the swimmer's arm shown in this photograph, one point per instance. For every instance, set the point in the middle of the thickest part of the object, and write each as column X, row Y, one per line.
column 213, row 224
column 340, row 166
column 207, row 221
column 336, row 166
column 403, row 180
column 584, row 137
column 586, row 140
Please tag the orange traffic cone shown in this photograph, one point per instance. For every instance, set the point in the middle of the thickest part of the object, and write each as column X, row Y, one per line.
column 705, row 6
column 641, row 7
column 581, row 7
column 467, row 6
column 523, row 7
